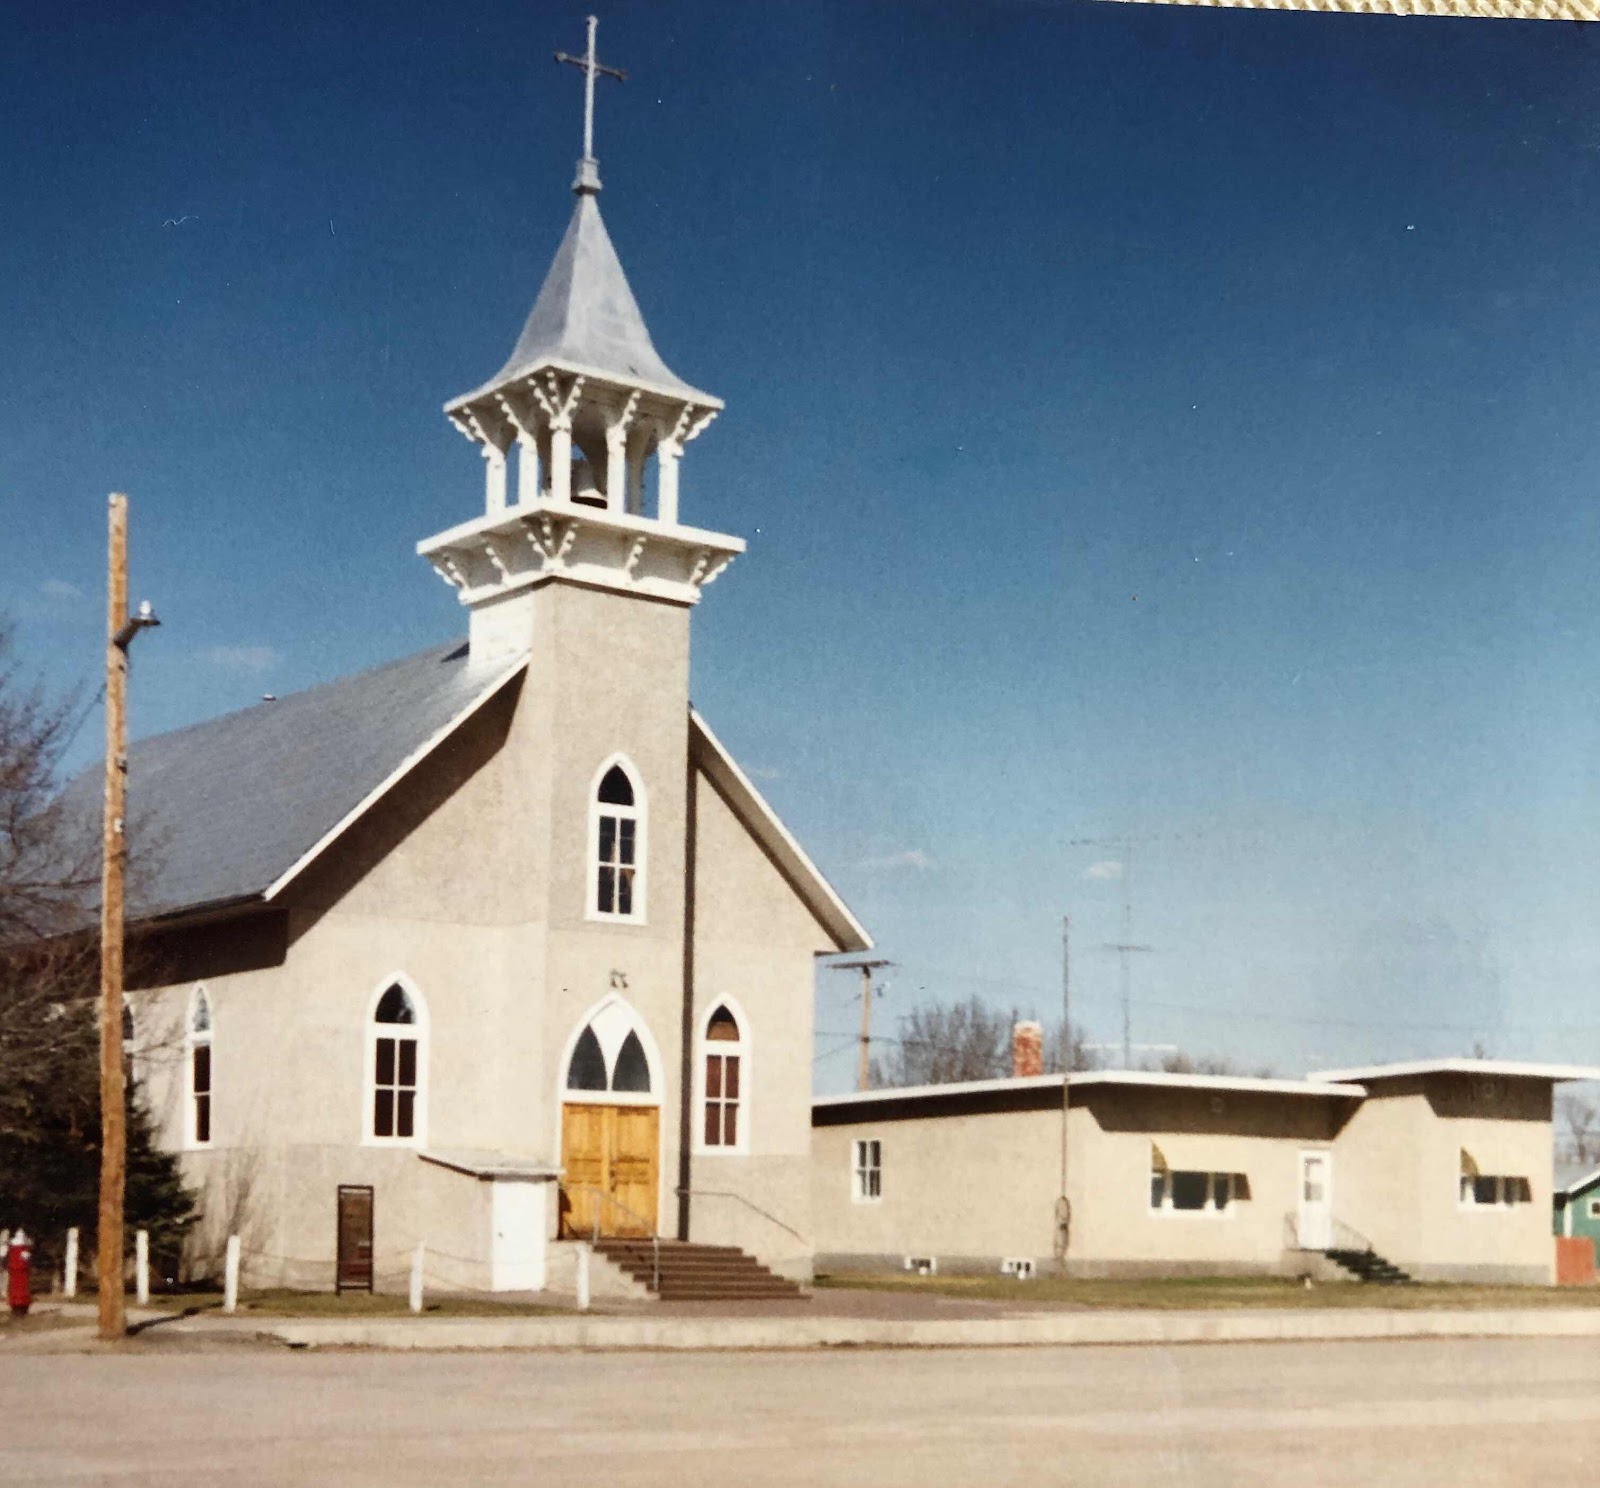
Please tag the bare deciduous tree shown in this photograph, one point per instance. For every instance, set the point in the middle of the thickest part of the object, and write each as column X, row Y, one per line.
column 49, row 982
column 1578, row 1128
column 943, row 1042
column 49, row 863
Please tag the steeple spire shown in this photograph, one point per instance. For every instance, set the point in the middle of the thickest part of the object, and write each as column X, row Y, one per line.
column 582, row 412
column 588, row 178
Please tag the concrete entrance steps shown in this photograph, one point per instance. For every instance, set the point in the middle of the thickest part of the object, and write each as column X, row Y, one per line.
column 698, row 1273
column 1368, row 1265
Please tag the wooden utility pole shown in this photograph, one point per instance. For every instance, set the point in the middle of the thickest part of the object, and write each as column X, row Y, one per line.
column 120, row 630
column 866, row 967
column 1064, row 1204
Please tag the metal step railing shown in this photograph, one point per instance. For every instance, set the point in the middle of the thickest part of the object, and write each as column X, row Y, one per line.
column 647, row 1226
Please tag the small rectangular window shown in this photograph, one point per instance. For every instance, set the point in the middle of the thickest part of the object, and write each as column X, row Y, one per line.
column 1189, row 1190
column 1594, row 1208
column 722, row 1100
column 200, row 1081
column 394, row 1087
column 868, row 1171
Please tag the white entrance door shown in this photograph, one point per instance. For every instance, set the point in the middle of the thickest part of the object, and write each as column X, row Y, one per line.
column 516, row 1220
column 1316, row 1200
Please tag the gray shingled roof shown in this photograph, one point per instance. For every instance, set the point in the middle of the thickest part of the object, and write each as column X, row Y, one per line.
column 587, row 318
column 230, row 804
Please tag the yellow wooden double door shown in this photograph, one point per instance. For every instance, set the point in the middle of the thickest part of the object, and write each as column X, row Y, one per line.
column 610, row 1156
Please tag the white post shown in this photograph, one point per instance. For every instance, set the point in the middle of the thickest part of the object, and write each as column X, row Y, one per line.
column 494, row 479
column 617, row 467
column 416, row 1276
column 69, row 1273
column 667, row 455
column 527, row 468
column 638, row 448
column 561, row 460
column 141, row 1267
column 230, row 1276
column 583, row 1276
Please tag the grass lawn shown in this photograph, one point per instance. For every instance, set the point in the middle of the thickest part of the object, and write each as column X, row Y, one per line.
column 1212, row 1292
column 281, row 1302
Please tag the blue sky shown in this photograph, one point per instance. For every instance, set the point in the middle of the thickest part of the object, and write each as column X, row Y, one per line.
column 1149, row 421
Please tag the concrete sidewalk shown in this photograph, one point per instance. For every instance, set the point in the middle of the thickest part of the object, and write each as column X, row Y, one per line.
column 762, row 1331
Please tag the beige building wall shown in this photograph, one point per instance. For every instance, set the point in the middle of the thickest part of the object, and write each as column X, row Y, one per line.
column 1399, row 1170
column 967, row 1189
column 1256, row 1134
column 973, row 1188
column 755, row 948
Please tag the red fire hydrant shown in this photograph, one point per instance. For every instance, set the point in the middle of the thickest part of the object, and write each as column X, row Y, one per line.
column 19, row 1284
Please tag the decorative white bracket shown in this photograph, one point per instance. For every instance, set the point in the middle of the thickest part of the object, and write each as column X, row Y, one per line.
column 708, row 567
column 552, row 539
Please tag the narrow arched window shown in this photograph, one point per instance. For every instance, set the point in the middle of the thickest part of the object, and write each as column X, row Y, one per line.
column 198, row 1064
column 723, row 1050
column 395, row 1064
column 616, row 839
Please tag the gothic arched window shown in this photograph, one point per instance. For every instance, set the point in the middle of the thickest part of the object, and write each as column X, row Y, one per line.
column 724, row 1082
column 608, row 1056
column 197, row 1062
column 616, row 843
column 396, row 1067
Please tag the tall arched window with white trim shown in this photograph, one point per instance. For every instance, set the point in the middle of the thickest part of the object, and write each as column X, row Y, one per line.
column 724, row 1083
column 197, row 1063
column 397, row 1067
column 616, row 845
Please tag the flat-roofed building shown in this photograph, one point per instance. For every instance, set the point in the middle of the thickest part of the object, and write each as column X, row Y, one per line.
column 1438, row 1170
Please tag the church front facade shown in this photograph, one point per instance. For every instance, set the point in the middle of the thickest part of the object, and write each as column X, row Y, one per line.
column 496, row 947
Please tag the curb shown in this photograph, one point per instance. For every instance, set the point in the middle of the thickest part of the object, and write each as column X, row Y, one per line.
column 1033, row 1330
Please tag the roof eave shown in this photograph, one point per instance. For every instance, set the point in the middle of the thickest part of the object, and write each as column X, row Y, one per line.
column 672, row 392
column 313, row 853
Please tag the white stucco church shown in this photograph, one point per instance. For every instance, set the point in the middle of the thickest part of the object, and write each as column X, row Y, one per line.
column 497, row 946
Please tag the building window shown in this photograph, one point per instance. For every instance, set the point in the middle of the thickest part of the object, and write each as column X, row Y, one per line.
column 198, row 1061
column 1594, row 1208
column 724, row 1126
column 1491, row 1190
column 609, row 1058
column 1194, row 1192
column 868, row 1187
column 616, row 839
column 395, row 1067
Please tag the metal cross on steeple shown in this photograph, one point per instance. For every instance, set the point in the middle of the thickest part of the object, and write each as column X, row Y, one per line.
column 589, row 167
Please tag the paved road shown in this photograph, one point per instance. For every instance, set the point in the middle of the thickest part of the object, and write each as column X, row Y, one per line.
column 1426, row 1412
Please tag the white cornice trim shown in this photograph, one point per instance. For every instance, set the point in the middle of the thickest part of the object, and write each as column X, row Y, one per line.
column 1217, row 1084
column 1505, row 1069
column 404, row 768
column 681, row 394
column 830, row 911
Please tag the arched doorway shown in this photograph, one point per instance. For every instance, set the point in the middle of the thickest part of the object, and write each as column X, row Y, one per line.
column 610, row 1126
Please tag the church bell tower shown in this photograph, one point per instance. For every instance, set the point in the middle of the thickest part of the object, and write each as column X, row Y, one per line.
column 598, row 424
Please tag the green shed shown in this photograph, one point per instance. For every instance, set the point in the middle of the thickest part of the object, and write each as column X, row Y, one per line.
column 1577, row 1201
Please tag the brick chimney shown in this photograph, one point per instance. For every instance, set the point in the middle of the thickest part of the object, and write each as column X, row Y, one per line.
column 1027, row 1049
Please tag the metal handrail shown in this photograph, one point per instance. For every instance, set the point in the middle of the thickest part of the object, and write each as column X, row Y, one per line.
column 1347, row 1238
column 633, row 1214
column 722, row 1193
column 1343, row 1236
